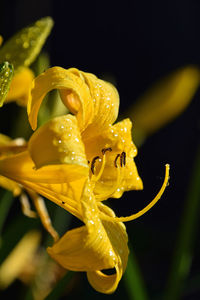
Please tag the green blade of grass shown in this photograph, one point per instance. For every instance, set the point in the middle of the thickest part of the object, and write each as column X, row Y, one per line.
column 133, row 279
column 182, row 258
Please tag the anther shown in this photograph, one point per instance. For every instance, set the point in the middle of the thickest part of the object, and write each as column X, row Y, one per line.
column 63, row 202
column 115, row 161
column 93, row 163
column 104, row 150
column 123, row 159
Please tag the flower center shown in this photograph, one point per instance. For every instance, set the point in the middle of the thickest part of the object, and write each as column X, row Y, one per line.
column 118, row 164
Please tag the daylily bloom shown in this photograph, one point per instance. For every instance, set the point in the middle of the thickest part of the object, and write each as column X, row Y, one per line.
column 77, row 161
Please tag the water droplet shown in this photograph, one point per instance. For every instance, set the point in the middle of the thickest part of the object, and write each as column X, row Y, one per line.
column 25, row 45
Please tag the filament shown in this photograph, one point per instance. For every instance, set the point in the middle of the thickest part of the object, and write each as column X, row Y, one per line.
column 102, row 196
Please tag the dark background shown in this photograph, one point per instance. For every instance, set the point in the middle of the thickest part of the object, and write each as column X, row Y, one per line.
column 135, row 43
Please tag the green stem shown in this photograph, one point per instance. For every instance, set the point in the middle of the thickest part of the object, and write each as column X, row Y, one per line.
column 182, row 259
column 133, row 279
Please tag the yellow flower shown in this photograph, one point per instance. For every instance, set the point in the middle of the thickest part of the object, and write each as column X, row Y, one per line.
column 77, row 161
column 164, row 101
column 17, row 260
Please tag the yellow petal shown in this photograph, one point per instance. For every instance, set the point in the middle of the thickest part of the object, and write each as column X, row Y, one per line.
column 86, row 248
column 119, row 138
column 106, row 103
column 78, row 250
column 77, row 95
column 18, row 258
column 62, row 184
column 58, row 142
column 164, row 101
column 56, row 149
column 117, row 235
column 10, row 185
column 66, row 195
column 94, row 101
column 20, row 167
column 20, row 85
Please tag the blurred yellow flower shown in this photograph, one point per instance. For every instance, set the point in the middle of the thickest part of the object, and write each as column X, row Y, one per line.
column 164, row 101
column 17, row 260
column 77, row 161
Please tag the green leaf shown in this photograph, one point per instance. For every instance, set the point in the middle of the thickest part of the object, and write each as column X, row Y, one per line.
column 6, row 74
column 187, row 235
column 133, row 279
column 23, row 48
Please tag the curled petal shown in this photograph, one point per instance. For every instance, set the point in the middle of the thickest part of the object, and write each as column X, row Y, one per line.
column 106, row 104
column 94, row 102
column 79, row 250
column 117, row 235
column 58, row 142
column 94, row 247
column 87, row 248
column 75, row 94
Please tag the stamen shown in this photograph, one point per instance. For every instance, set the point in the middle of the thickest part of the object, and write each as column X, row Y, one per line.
column 95, row 178
column 123, row 159
column 144, row 210
column 104, row 150
column 101, row 197
column 93, row 163
column 115, row 161
column 43, row 214
column 26, row 208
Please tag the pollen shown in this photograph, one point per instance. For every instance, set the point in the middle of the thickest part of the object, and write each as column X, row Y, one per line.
column 93, row 163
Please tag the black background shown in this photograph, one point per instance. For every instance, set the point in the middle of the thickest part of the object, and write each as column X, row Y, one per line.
column 135, row 43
